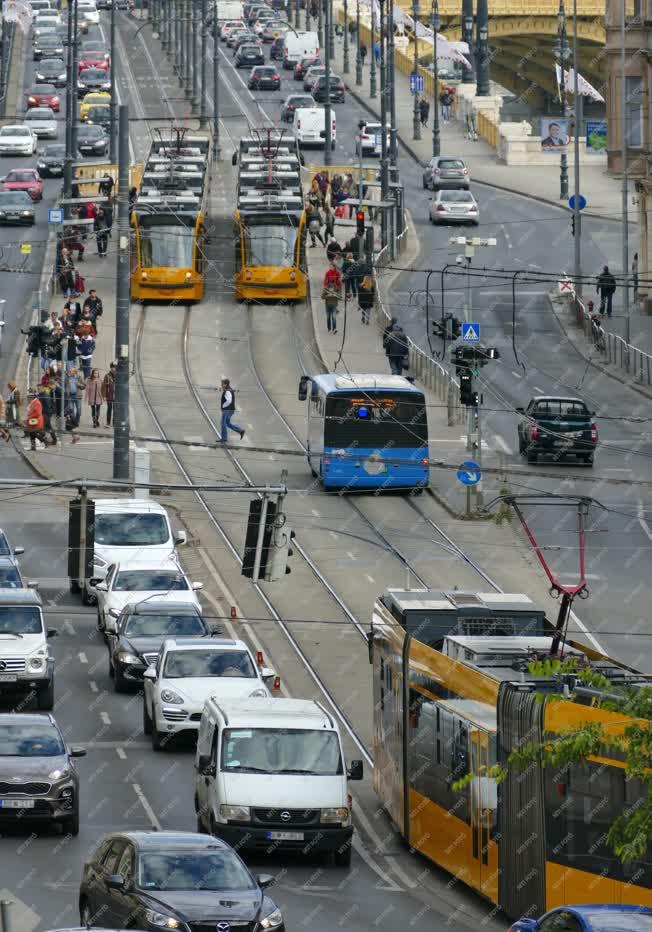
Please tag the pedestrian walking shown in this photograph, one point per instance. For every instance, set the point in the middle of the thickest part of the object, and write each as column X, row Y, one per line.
column 397, row 350
column 74, row 387
column 606, row 286
column 67, row 273
column 34, row 421
column 105, row 188
column 331, row 296
column 446, row 101
column 101, row 233
column 366, row 297
column 315, row 195
column 424, row 110
column 635, row 275
column 13, row 404
column 93, row 304
column 227, row 407
column 350, row 275
column 93, row 395
column 108, row 392
column 108, row 213
column 329, row 223
column 363, row 52
column 315, row 224
column 46, row 397
column 333, row 250
column 377, row 52
column 387, row 333
column 85, row 350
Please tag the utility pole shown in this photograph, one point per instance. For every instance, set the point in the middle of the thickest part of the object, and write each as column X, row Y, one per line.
column 435, row 22
column 358, row 56
column 320, row 22
column 372, row 54
column 194, row 103
column 623, row 157
column 482, row 49
column 203, row 102
column 345, row 62
column 297, row 11
column 562, row 51
column 467, row 36
column 327, row 78
column 216, row 90
column 390, row 71
column 187, row 79
column 75, row 72
column 416, row 122
column 384, row 148
column 71, row 107
column 122, row 306
column 113, row 103
column 577, row 213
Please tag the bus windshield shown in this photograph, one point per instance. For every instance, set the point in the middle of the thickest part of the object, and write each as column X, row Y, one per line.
column 270, row 242
column 376, row 419
column 166, row 242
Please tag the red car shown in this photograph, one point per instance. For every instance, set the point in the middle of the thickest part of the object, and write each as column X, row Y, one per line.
column 23, row 179
column 43, row 95
column 94, row 58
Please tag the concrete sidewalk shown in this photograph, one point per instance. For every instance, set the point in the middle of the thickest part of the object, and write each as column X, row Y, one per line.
column 540, row 182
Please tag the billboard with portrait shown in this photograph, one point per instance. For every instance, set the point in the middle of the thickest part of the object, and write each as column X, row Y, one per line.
column 554, row 134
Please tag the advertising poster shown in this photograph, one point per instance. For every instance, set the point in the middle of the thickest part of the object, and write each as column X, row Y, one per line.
column 596, row 136
column 554, row 134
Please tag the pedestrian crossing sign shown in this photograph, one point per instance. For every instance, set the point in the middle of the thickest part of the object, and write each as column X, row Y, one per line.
column 470, row 333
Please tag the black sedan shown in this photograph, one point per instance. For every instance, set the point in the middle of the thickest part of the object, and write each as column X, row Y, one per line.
column 165, row 880
column 293, row 103
column 16, row 207
column 48, row 46
column 249, row 55
column 264, row 77
column 51, row 71
column 93, row 79
column 92, row 140
column 140, row 632
column 336, row 89
column 50, row 161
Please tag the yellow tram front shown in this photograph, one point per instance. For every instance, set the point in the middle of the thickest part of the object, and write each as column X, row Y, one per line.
column 270, row 258
column 168, row 250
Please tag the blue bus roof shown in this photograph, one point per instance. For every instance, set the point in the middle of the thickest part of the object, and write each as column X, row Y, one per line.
column 333, row 382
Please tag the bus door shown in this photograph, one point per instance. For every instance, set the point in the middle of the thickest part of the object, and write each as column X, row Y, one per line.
column 316, row 409
column 483, row 804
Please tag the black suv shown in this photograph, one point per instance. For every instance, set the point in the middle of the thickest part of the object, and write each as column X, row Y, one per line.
column 92, row 140
column 165, row 880
column 558, row 427
column 38, row 779
column 140, row 631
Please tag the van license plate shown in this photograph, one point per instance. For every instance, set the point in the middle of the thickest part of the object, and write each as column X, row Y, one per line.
column 16, row 803
column 285, row 836
column 8, row 678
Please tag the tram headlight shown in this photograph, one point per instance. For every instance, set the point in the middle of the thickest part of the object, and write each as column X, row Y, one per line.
column 143, row 275
column 293, row 276
column 188, row 276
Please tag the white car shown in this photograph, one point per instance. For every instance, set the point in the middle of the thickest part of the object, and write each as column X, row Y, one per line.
column 87, row 10
column 371, row 139
column 126, row 583
column 189, row 672
column 51, row 18
column 230, row 26
column 17, row 140
column 454, row 207
column 42, row 121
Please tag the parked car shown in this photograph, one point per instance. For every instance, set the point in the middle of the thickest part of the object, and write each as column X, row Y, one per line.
column 51, row 161
column 51, row 71
column 164, row 880
column 596, row 917
column 249, row 55
column 17, row 140
column 336, row 93
column 23, row 179
column 38, row 778
column 558, row 427
column 264, row 77
column 43, row 95
column 443, row 171
column 454, row 207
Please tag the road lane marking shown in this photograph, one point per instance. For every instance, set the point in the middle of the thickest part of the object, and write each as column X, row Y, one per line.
column 517, row 375
column 105, row 718
column 151, row 815
column 82, row 657
column 121, row 753
column 93, row 686
column 501, row 443
column 537, row 389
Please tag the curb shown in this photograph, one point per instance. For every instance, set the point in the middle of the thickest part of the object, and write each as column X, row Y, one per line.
column 566, row 329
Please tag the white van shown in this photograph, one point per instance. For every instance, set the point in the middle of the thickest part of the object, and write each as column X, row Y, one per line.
column 309, row 126
column 229, row 9
column 271, row 774
column 129, row 529
column 299, row 45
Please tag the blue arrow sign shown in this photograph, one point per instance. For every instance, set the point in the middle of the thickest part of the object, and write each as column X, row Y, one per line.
column 416, row 83
column 469, row 473
column 470, row 333
column 571, row 202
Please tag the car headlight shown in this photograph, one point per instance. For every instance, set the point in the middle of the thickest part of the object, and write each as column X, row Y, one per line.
column 236, row 813
column 40, row 76
column 36, row 663
column 162, row 920
column 62, row 77
column 169, row 695
column 125, row 657
column 98, row 561
column 273, row 921
column 58, row 774
column 41, row 165
column 335, row 816
column 80, row 85
column 2, row 213
column 258, row 694
column 27, row 213
column 114, row 613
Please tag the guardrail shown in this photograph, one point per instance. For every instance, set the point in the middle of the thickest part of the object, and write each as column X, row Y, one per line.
column 615, row 349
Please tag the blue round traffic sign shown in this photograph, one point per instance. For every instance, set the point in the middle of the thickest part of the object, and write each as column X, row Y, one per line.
column 469, row 473
column 571, row 202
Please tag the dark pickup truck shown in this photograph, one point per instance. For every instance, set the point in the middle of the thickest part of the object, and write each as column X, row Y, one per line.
column 557, row 427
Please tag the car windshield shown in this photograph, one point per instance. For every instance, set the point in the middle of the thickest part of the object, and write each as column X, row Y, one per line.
column 199, row 870
column 281, row 750
column 14, row 131
column 150, row 581
column 92, row 132
column 563, row 407
column 39, row 114
column 463, row 197
column 10, row 578
column 5, row 549
column 164, row 626
column 15, row 199
column 130, row 530
column 20, row 619
column 41, row 89
column 99, row 113
column 54, row 151
column 30, row 741
column 182, row 663
column 613, row 920
column 21, row 176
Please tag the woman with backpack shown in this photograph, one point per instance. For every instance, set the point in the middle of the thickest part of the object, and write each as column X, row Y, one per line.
column 315, row 224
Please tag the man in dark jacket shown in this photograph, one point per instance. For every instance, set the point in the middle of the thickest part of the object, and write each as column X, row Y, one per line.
column 387, row 333
column 93, row 303
column 397, row 349
column 606, row 286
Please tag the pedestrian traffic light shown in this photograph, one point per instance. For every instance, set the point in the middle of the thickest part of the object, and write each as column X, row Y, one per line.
column 277, row 565
column 466, row 388
column 254, row 531
column 359, row 222
column 573, row 224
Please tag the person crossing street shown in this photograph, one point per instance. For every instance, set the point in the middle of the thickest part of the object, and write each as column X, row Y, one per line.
column 227, row 406
column 606, row 286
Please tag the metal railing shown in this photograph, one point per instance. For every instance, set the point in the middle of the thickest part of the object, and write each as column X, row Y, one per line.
column 614, row 349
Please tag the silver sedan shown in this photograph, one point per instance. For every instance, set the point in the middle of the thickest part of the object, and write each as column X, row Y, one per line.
column 454, row 207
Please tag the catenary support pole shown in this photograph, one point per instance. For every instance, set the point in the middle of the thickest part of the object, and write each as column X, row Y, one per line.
column 384, row 109
column 71, row 108
column 194, row 98
column 75, row 72
column 345, row 62
column 328, row 142
column 122, row 304
column 358, row 56
column 113, row 102
column 203, row 100
column 577, row 213
column 216, row 92
column 623, row 157
column 467, row 36
column 563, row 49
column 372, row 55
column 416, row 121
column 187, row 77
column 435, row 23
column 482, row 47
column 390, row 73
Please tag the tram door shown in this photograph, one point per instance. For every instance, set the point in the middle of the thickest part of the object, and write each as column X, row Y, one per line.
column 483, row 805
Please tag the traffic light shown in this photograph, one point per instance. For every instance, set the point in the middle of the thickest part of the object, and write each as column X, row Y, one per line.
column 456, row 328
column 573, row 224
column 253, row 533
column 277, row 565
column 466, row 388
column 359, row 222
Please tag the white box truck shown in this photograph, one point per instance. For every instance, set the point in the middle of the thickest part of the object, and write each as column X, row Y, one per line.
column 309, row 126
column 271, row 774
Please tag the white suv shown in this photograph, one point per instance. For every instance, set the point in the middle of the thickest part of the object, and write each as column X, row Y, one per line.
column 26, row 662
column 189, row 672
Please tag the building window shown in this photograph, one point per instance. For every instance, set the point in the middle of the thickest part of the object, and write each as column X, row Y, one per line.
column 634, row 111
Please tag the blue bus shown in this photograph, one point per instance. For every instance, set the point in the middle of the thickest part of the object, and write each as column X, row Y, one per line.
column 366, row 431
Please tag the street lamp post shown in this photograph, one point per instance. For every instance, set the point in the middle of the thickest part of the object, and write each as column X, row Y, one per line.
column 562, row 51
column 297, row 13
column 195, row 71
column 416, row 122
column 203, row 118
column 467, row 36
column 113, row 155
column 624, row 167
column 216, row 89
column 482, row 49
column 372, row 52
column 577, row 213
column 358, row 56
column 436, row 26
column 345, row 62
column 328, row 139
